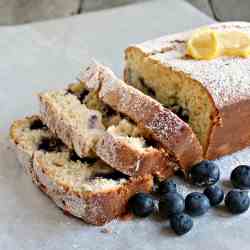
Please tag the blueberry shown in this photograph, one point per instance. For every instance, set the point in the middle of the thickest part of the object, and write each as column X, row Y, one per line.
column 215, row 195
column 50, row 145
column 204, row 174
column 167, row 186
column 196, row 204
column 181, row 223
column 240, row 177
column 142, row 204
column 237, row 201
column 37, row 124
column 171, row 203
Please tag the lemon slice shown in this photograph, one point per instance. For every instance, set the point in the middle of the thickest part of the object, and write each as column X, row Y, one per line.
column 234, row 43
column 203, row 44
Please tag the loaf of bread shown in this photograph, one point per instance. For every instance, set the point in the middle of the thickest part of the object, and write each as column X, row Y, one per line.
column 85, row 124
column 213, row 96
column 84, row 187
column 157, row 123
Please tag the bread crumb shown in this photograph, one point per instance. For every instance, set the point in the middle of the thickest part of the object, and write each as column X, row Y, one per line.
column 126, row 217
column 106, row 230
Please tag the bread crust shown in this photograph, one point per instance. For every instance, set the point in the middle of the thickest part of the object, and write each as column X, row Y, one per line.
column 96, row 208
column 226, row 81
column 174, row 135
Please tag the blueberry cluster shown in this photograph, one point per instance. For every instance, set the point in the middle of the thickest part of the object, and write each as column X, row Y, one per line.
column 180, row 211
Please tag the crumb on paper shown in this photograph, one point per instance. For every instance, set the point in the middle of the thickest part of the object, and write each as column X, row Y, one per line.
column 75, row 246
column 126, row 217
column 106, row 230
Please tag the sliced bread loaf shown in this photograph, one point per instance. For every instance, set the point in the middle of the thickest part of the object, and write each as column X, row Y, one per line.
column 156, row 122
column 214, row 94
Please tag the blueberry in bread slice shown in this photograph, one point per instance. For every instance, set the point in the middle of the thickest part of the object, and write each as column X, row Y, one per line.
column 215, row 94
column 156, row 122
column 84, row 187
column 27, row 136
column 86, row 124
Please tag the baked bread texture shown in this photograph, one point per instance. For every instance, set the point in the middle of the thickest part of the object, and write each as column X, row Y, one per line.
column 214, row 94
column 156, row 122
column 81, row 120
column 84, row 187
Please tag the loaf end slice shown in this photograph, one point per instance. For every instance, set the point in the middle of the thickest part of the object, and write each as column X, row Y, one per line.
column 84, row 187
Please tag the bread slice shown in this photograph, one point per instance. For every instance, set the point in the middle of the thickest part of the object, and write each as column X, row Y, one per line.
column 76, row 125
column 120, row 148
column 26, row 135
column 156, row 122
column 84, row 187
column 215, row 94
column 81, row 120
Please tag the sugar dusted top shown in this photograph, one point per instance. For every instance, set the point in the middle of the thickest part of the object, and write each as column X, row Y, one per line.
column 227, row 79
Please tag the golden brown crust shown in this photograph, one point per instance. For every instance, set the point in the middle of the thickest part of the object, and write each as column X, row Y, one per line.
column 234, row 134
column 104, row 207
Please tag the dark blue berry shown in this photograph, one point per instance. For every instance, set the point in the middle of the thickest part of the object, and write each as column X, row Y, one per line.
column 204, row 174
column 237, row 201
column 37, row 124
column 215, row 194
column 181, row 223
column 141, row 204
column 167, row 186
column 196, row 204
column 240, row 177
column 171, row 203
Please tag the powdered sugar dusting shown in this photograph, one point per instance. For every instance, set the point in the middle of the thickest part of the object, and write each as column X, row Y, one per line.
column 167, row 125
column 226, row 78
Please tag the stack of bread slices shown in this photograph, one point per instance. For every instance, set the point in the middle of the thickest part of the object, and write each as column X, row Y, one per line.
column 98, row 142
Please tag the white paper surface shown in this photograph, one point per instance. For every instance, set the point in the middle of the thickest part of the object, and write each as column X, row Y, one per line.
column 49, row 55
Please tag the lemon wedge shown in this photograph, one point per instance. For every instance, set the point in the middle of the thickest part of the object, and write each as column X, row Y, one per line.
column 203, row 44
column 208, row 44
column 234, row 43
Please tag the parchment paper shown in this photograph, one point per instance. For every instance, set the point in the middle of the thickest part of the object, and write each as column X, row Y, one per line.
column 49, row 55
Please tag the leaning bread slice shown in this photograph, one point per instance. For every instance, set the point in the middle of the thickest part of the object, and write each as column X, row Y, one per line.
column 76, row 125
column 84, row 187
column 80, row 119
column 130, row 154
column 174, row 135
